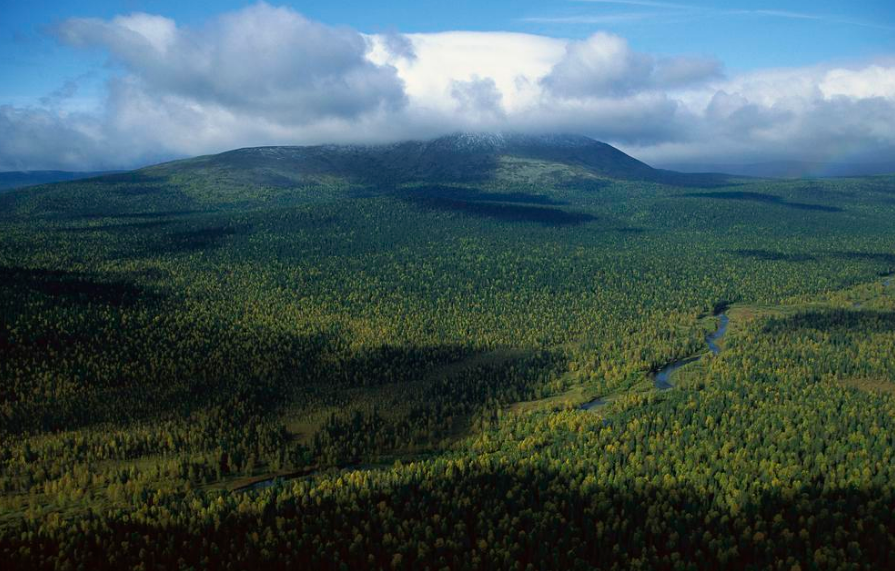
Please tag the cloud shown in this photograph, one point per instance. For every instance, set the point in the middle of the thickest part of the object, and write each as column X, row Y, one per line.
column 816, row 114
column 397, row 46
column 478, row 95
column 63, row 93
column 871, row 81
column 604, row 64
column 36, row 139
column 264, row 61
column 513, row 61
column 266, row 75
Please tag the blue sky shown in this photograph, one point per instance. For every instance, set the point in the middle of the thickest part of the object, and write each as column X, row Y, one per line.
column 649, row 76
column 798, row 32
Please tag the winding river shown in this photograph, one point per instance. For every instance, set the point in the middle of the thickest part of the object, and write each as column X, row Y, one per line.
column 662, row 379
column 594, row 404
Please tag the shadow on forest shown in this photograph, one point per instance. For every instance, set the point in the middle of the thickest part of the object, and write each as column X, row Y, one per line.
column 72, row 287
column 274, row 179
column 138, row 215
column 849, row 321
column 476, row 195
column 886, row 257
column 132, row 183
column 388, row 364
column 264, row 372
column 646, row 526
column 141, row 190
column 125, row 227
column 583, row 184
column 200, row 239
column 761, row 198
column 774, row 256
column 505, row 212
column 384, row 167
column 130, row 177
column 151, row 244
column 771, row 256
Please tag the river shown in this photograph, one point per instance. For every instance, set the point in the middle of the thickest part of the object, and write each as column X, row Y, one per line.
column 662, row 379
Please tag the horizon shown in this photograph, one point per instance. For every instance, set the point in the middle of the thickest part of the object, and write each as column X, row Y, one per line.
column 111, row 85
column 781, row 168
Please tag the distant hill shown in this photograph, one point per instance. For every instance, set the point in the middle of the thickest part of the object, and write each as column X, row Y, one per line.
column 787, row 169
column 462, row 157
column 458, row 171
column 20, row 179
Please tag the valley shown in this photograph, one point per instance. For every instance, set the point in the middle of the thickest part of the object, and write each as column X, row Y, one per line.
column 474, row 352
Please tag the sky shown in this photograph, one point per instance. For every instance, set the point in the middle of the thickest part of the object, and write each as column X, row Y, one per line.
column 103, row 84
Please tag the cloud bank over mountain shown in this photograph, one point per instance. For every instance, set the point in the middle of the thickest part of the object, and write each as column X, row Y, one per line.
column 268, row 75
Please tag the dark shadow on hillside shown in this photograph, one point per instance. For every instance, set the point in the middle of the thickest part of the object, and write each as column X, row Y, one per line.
column 583, row 184
column 166, row 237
column 140, row 190
column 762, row 199
column 70, row 287
column 847, row 321
column 885, row 257
column 775, row 256
column 146, row 392
column 505, row 212
column 385, row 166
column 260, row 373
column 128, row 215
column 771, row 256
column 199, row 239
column 274, row 179
column 476, row 195
column 648, row 526
column 389, row 363
column 133, row 183
column 126, row 227
column 130, row 177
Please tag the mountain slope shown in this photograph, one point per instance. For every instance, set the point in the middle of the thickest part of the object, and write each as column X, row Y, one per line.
column 20, row 179
column 489, row 167
column 456, row 158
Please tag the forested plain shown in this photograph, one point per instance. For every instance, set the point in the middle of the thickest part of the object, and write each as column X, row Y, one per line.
column 397, row 364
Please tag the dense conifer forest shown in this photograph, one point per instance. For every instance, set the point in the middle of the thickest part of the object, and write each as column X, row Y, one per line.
column 377, row 358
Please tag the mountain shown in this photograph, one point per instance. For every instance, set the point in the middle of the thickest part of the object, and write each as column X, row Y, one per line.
column 788, row 169
column 461, row 157
column 486, row 166
column 20, row 179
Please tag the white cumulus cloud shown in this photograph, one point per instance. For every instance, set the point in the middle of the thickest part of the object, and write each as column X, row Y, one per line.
column 268, row 75
column 261, row 61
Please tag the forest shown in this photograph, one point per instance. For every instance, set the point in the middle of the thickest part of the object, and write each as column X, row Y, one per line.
column 215, row 364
